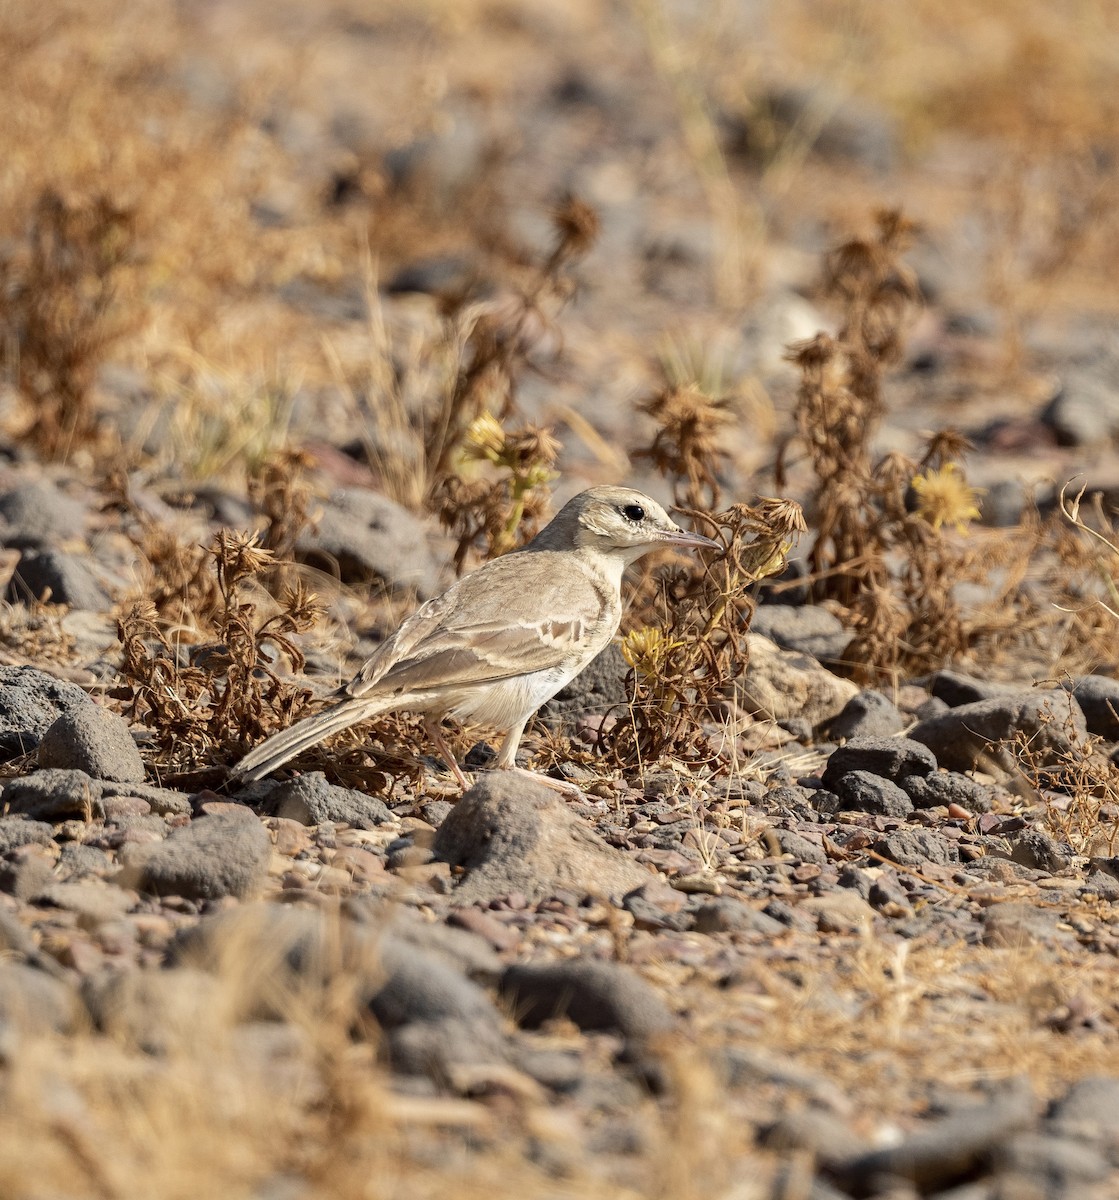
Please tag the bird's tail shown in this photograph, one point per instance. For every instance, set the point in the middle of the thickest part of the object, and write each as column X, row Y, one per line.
column 273, row 752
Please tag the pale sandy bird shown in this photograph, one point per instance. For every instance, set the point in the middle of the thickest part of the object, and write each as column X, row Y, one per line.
column 501, row 641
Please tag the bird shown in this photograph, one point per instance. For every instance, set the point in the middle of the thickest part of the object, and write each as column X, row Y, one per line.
column 504, row 639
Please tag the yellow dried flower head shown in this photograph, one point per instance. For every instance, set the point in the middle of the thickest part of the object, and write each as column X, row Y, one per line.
column 944, row 497
column 485, row 439
column 646, row 650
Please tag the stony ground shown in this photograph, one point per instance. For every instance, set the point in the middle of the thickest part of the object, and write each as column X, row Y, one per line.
column 869, row 950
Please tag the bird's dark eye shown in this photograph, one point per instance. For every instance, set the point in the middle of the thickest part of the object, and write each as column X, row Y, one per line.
column 633, row 512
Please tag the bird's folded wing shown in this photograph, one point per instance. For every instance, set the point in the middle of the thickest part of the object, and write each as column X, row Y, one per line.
column 485, row 629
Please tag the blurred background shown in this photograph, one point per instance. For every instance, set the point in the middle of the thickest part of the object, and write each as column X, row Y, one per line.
column 223, row 221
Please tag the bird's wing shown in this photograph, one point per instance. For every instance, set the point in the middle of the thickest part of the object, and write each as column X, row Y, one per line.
column 509, row 618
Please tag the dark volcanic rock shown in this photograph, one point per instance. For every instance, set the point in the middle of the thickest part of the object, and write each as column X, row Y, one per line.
column 37, row 513
column 955, row 688
column 223, row 855
column 947, row 787
column 515, row 835
column 65, row 578
column 592, row 993
column 1098, row 697
column 362, row 535
column 869, row 714
column 30, row 702
column 914, row 847
column 971, row 734
column 860, row 791
column 1036, row 849
column 94, row 740
column 311, row 800
column 805, row 628
column 892, row 758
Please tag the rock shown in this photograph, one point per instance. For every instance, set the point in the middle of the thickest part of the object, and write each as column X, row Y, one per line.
column 225, row 855
column 590, row 992
column 780, row 684
column 799, row 847
column 515, row 835
column 55, row 794
column 955, row 688
column 1098, row 697
column 725, row 914
column 1018, row 925
column 25, row 872
column 420, row 986
column 163, row 801
column 64, row 578
column 599, row 687
column 941, row 1152
column 981, row 732
column 1089, row 1110
column 94, row 740
column 1084, row 411
column 30, row 702
column 18, row 831
column 158, row 1011
column 916, row 847
column 1037, row 850
column 363, row 536
column 942, row 788
column 76, row 861
column 311, row 800
column 860, row 791
column 92, row 903
column 437, row 1048
column 841, row 911
column 804, row 629
column 37, row 513
column 892, row 758
column 31, row 1001
column 1064, row 1164
column 869, row 714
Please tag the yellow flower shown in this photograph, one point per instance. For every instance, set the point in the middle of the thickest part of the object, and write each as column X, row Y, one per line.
column 485, row 439
column 646, row 650
column 945, row 497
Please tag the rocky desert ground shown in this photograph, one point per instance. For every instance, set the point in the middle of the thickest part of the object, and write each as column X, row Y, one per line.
column 306, row 308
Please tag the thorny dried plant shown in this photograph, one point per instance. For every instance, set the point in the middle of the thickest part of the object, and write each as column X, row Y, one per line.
column 279, row 488
column 59, row 312
column 684, row 668
column 882, row 549
column 493, row 516
column 1071, row 774
column 226, row 694
column 497, row 341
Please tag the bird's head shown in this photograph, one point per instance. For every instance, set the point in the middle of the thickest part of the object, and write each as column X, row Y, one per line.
column 617, row 521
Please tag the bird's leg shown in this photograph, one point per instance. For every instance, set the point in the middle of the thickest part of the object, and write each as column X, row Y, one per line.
column 507, row 761
column 435, row 733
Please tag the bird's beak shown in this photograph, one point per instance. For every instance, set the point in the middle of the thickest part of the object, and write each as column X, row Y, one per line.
column 682, row 537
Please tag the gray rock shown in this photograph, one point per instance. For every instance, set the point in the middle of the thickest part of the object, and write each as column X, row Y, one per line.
column 420, row 986
column 311, row 800
column 590, row 992
column 800, row 847
column 1098, row 697
column 725, row 914
column 1037, row 850
column 162, row 800
column 1019, row 925
column 30, row 702
column 1085, row 410
column 964, row 737
column 31, row 1001
column 94, row 740
column 892, row 758
column 19, row 831
column 157, row 1011
column 78, row 861
column 1060, row 1165
column 869, row 714
column 55, row 794
column 599, row 687
column 942, row 788
column 914, row 847
column 515, row 835
column 1089, row 1110
column 363, row 536
column 37, row 513
column 941, row 1152
column 955, row 688
column 436, row 1048
column 781, row 684
column 803, row 628
column 860, row 791
column 64, row 578
column 224, row 855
